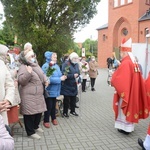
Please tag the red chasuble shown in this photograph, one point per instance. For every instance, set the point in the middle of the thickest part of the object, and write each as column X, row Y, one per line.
column 130, row 86
column 147, row 84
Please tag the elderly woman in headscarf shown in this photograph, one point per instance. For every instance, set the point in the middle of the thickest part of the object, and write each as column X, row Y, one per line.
column 55, row 77
column 69, row 87
column 31, row 80
column 7, row 87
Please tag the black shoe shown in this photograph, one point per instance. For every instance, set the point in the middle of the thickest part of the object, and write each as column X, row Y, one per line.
column 76, row 106
column 92, row 89
column 74, row 114
column 65, row 115
column 122, row 131
column 83, row 91
column 140, row 142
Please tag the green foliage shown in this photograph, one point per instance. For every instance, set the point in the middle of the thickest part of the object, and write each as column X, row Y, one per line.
column 48, row 24
column 2, row 42
column 67, row 69
column 117, row 52
column 50, row 71
column 7, row 34
column 76, row 48
column 90, row 47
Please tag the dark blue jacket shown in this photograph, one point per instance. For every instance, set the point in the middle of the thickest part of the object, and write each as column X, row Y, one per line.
column 69, row 86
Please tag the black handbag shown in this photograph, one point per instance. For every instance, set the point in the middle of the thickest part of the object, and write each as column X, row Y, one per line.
column 45, row 92
column 8, row 129
column 77, row 99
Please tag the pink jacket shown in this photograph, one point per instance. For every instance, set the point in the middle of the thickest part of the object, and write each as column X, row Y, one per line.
column 6, row 141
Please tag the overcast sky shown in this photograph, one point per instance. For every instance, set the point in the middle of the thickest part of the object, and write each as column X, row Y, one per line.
column 1, row 10
column 89, row 31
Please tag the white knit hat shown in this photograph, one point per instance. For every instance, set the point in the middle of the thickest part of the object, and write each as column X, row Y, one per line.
column 73, row 55
column 27, row 46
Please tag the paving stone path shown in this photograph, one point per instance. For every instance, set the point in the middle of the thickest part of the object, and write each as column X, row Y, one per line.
column 92, row 130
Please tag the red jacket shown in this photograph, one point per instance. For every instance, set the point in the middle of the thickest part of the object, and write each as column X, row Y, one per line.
column 147, row 84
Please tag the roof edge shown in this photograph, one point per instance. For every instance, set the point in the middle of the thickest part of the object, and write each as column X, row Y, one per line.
column 105, row 26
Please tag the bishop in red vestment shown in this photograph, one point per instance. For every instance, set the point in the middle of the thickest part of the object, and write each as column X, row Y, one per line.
column 130, row 101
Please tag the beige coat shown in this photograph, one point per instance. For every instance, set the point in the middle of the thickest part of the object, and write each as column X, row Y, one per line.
column 7, row 88
column 17, row 100
column 31, row 90
column 93, row 72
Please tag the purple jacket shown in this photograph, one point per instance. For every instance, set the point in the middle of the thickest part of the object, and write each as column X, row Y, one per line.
column 6, row 141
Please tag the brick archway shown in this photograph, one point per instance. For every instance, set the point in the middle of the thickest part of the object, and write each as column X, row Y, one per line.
column 118, row 34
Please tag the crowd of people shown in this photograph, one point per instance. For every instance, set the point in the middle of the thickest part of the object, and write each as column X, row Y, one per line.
column 32, row 90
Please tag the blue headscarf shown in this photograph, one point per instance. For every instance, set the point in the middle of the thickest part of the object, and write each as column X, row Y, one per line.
column 48, row 56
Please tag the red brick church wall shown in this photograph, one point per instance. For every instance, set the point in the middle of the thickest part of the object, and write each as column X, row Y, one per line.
column 120, row 17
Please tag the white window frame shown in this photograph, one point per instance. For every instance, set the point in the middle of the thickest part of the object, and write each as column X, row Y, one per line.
column 129, row 1
column 115, row 3
column 122, row 2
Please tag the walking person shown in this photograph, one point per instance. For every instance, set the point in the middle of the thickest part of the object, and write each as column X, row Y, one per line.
column 52, row 70
column 93, row 72
column 69, row 88
column 84, row 68
column 109, row 62
column 130, row 91
column 31, row 79
column 112, row 67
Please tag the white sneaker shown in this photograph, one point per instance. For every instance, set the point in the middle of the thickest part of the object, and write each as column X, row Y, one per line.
column 39, row 130
column 35, row 136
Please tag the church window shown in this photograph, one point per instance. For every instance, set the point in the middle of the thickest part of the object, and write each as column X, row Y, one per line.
column 104, row 37
column 147, row 2
column 146, row 31
column 122, row 2
column 129, row 1
column 115, row 3
column 124, row 31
